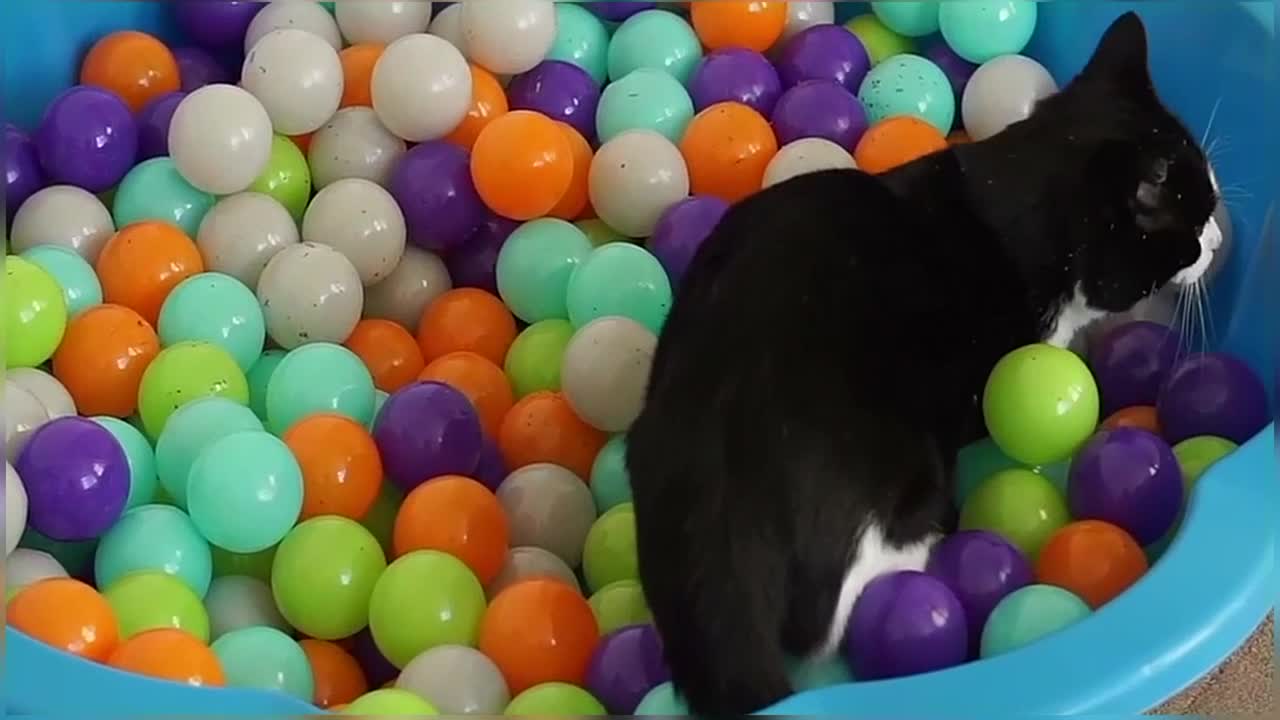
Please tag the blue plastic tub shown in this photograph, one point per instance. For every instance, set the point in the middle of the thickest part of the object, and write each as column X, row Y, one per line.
column 1209, row 592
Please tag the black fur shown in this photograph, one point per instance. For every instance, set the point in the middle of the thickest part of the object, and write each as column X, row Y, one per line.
column 826, row 351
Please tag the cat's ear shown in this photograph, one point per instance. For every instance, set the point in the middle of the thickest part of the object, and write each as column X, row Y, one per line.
column 1121, row 55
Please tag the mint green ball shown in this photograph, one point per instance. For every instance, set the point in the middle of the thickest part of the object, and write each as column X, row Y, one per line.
column 217, row 308
column 581, row 39
column 191, row 429
column 908, row 17
column 909, row 85
column 620, row 279
column 258, row 376
column 644, row 99
column 555, row 699
column 80, row 287
column 979, row 30
column 245, row 491
column 610, row 482
column 158, row 538
column 1028, row 614
column 814, row 674
column 263, row 658
column 316, row 378
column 663, row 700
column 1040, row 404
column 655, row 39
column 155, row 190
column 534, row 267
column 140, row 456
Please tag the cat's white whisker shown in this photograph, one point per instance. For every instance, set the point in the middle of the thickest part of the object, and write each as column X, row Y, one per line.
column 1213, row 115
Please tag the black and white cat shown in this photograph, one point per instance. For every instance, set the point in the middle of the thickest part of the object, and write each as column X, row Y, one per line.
column 826, row 352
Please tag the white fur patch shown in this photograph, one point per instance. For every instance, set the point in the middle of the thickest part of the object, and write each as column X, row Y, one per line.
column 1210, row 241
column 1072, row 317
column 875, row 557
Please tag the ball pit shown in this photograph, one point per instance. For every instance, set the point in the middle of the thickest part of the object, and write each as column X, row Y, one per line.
column 341, row 359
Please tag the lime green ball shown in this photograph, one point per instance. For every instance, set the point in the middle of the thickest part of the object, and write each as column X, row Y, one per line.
column 618, row 605
column 381, row 518
column 599, row 233
column 555, row 699
column 879, row 41
column 1196, row 455
column 533, row 361
column 323, row 575
column 1028, row 614
column 424, row 599
column 35, row 313
column 1040, row 404
column 609, row 554
column 287, row 178
column 389, row 701
column 184, row 372
column 258, row 377
column 254, row 565
column 1024, row 507
column 155, row 599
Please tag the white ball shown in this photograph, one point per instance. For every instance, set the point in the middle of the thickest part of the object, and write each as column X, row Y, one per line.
column 305, row 15
column 634, row 178
column 239, row 601
column 605, row 371
column 297, row 77
column 15, row 510
column 457, row 680
column 803, row 156
column 242, row 232
column 25, row 566
column 310, row 293
column 362, row 221
column 448, row 24
column 803, row 15
column 220, row 139
column 421, row 87
column 23, row 415
column 353, row 144
column 63, row 215
column 381, row 21
column 1003, row 91
column 420, row 278
column 48, row 390
column 508, row 36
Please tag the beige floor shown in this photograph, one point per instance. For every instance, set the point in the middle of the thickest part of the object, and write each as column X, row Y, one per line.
column 1245, row 685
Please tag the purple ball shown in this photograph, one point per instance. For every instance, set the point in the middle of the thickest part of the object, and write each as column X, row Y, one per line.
column 153, row 125
column 981, row 568
column 1128, row 477
column 824, row 52
column 198, row 68
column 618, row 11
column 905, row 623
column 216, row 24
column 626, row 665
column 22, row 173
column 492, row 469
column 426, row 430
column 681, row 230
column 561, row 91
column 735, row 75
column 378, row 670
column 820, row 108
column 77, row 479
column 432, row 184
column 87, row 138
column 957, row 69
column 1212, row 394
column 1131, row 362
column 475, row 264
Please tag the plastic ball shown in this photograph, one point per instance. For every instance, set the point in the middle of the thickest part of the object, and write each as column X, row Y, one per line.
column 1196, row 455
column 216, row 308
column 599, row 233
column 488, row 101
column 609, row 552
column 475, row 263
column 483, row 382
column 539, row 631
column 1130, row 478
column 879, row 41
column 185, row 372
column 957, row 69
column 804, row 156
column 735, row 75
column 432, row 184
column 318, row 377
column 256, row 565
column 35, row 314
column 896, row 141
column 215, row 25
column 466, row 319
column 824, row 52
column 508, row 36
column 1095, row 560
column 526, row 563
column 151, row 600
column 559, row 90
column 1137, row 416
column 15, row 510
column 87, row 138
column 311, row 17
column 575, row 201
column 752, row 24
column 908, row 85
column 361, row 220
column 1003, row 91
column 727, row 148
column 264, row 658
column 605, row 369
column 133, row 65
column 681, row 230
column 1029, row 614
column 65, row 614
column 143, row 263
column 619, row 11
column 310, row 293
column 25, row 566
column 192, row 428
column 419, row 279
column 245, row 491
column 424, row 599
column 23, row 415
column 542, row 427
column 220, row 139
column 1019, row 505
column 323, row 575
column 555, row 698
column 153, row 125
column 522, row 164
column 297, row 77
column 337, row 675
column 48, row 391
column 634, row 177
column 1212, row 394
column 457, row 515
column 102, row 358
column 242, row 232
column 548, row 507
column 620, row 604
column 644, row 99
column 980, row 31
column 819, row 108
column 913, row 19
column 358, row 62
column 384, row 22
column 905, row 623
column 341, row 470
column 62, row 215
column 812, row 674
column 534, row 267
column 171, row 655
column 581, row 38
column 610, row 481
column 662, row 701
column 353, row 144
column 197, row 68
column 154, row 537
column 804, row 15
column 155, row 190
column 389, row 701
column 389, row 351
column 286, row 177
column 626, row 665
column 23, row 175
column 421, row 87
column 981, row 568
column 74, row 556
column 1040, row 404
column 533, row 361
column 456, row 679
column 653, row 39
column 240, row 601
column 425, row 430
column 76, row 476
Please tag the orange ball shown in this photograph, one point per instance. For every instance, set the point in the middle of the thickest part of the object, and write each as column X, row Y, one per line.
column 457, row 515
column 958, row 137
column 466, row 319
column 752, row 24
column 541, row 427
column 896, row 141
column 357, row 73
column 133, row 65
column 66, row 614
column 142, row 262
column 574, row 203
column 388, row 350
column 484, row 384
column 488, row 101
column 341, row 468
column 1093, row 559
column 539, row 631
column 522, row 165
column 727, row 148
column 102, row 357
column 169, row 654
column 303, row 141
column 1138, row 416
column 338, row 677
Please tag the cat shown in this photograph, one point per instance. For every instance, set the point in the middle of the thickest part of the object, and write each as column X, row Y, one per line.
column 826, row 352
